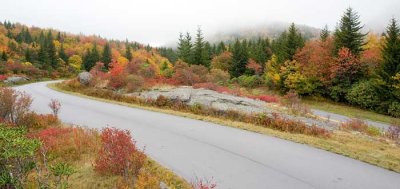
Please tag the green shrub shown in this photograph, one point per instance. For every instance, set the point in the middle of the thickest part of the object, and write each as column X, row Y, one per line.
column 364, row 94
column 134, row 83
column 394, row 109
column 249, row 81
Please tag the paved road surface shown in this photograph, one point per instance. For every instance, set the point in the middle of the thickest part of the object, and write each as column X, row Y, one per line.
column 235, row 158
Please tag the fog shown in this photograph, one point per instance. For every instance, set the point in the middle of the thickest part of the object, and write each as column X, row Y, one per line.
column 158, row 22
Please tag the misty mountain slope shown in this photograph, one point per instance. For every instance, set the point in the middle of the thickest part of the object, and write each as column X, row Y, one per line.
column 272, row 30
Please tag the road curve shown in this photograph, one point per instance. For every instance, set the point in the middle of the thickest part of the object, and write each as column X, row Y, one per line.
column 234, row 158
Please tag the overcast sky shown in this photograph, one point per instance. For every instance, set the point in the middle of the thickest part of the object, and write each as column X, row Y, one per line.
column 158, row 22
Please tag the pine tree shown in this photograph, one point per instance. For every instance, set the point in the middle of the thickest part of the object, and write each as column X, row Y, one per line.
column 348, row 34
column 324, row 33
column 106, row 55
column 185, row 47
column 239, row 58
column 128, row 53
column 391, row 52
column 62, row 54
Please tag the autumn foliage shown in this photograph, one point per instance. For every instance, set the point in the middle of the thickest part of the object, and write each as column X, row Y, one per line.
column 118, row 153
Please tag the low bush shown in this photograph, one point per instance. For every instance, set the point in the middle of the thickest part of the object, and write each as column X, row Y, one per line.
column 364, row 95
column 394, row 109
column 292, row 101
column 355, row 125
column 266, row 98
column 118, row 154
column 39, row 121
column 250, row 81
column 393, row 133
column 3, row 77
column 134, row 83
column 67, row 143
column 218, row 76
column 14, row 105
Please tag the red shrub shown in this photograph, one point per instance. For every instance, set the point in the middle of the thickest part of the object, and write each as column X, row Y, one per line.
column 117, row 152
column 265, row 98
column 355, row 125
column 39, row 121
column 67, row 143
column 3, row 77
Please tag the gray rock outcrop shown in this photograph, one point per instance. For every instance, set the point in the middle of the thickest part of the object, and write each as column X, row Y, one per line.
column 84, row 78
column 223, row 101
column 16, row 79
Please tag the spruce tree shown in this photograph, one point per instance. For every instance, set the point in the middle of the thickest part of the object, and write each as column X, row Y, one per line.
column 391, row 52
column 28, row 55
column 43, row 57
column 106, row 55
column 4, row 56
column 62, row 54
column 198, row 49
column 348, row 34
column 239, row 59
column 52, row 51
column 128, row 53
column 185, row 47
column 86, row 61
column 294, row 41
column 221, row 47
column 324, row 33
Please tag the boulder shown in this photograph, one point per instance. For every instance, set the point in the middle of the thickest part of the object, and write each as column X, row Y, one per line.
column 84, row 78
column 16, row 79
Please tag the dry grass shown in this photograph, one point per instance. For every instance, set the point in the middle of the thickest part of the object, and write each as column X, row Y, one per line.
column 374, row 150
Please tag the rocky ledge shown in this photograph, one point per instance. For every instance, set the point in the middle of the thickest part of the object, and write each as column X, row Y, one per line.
column 222, row 101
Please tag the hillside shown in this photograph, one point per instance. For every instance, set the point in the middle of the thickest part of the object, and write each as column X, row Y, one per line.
column 271, row 30
column 39, row 53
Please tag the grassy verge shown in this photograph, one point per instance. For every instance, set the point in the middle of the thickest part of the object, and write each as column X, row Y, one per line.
column 86, row 177
column 349, row 111
column 374, row 150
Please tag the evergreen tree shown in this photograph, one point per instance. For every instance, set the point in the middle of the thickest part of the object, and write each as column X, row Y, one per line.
column 106, row 55
column 391, row 52
column 294, row 41
column 198, row 49
column 43, row 57
column 62, row 54
column 348, row 34
column 185, row 47
column 52, row 51
column 207, row 54
column 28, row 55
column 86, row 61
column 239, row 59
column 324, row 33
column 221, row 47
column 91, row 57
column 4, row 56
column 128, row 53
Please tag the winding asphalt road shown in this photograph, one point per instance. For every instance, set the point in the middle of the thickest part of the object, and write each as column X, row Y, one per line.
column 234, row 158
